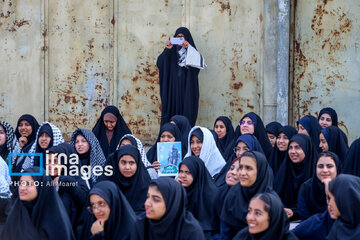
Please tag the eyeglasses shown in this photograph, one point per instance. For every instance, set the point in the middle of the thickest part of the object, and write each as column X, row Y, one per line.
column 238, row 149
column 99, row 206
column 247, row 122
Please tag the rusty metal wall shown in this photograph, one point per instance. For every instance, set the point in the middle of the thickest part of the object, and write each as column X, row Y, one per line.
column 79, row 62
column 327, row 60
column 21, row 58
column 227, row 33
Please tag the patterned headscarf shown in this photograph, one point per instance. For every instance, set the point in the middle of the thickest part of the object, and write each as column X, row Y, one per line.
column 97, row 157
column 12, row 143
column 57, row 139
column 4, row 180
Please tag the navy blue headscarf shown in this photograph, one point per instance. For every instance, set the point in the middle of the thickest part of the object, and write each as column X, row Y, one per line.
column 352, row 163
column 332, row 113
column 337, row 141
column 312, row 126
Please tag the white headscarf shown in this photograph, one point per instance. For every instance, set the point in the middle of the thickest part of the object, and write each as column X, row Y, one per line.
column 209, row 153
column 4, row 179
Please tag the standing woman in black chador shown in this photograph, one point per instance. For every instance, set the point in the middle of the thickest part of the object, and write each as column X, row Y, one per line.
column 310, row 126
column 225, row 132
column 328, row 117
column 179, row 86
column 109, row 215
column 297, row 167
column 38, row 212
column 109, row 129
column 344, row 198
column 130, row 175
column 334, row 140
column 279, row 152
column 26, row 129
column 89, row 151
column 201, row 192
column 166, row 216
column 266, row 220
column 352, row 163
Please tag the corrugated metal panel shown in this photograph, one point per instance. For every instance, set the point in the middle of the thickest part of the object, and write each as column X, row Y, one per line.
column 327, row 60
column 80, row 62
column 21, row 74
column 230, row 83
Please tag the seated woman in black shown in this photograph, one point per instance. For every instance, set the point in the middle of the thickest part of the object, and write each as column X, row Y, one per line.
column 225, row 132
column 38, row 212
column 130, row 175
column 298, row 166
column 266, row 219
column 351, row 164
column 279, row 152
column 166, row 216
column 312, row 197
column 72, row 188
column 26, row 129
column 9, row 144
column 109, row 128
column 184, row 126
column 328, row 117
column 334, row 140
column 344, row 196
column 89, row 151
column 309, row 126
column 272, row 131
column 109, row 215
column 201, row 191
column 255, row 177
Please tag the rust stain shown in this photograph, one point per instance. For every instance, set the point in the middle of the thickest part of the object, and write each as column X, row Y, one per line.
column 342, row 124
column 166, row 3
column 113, row 21
column 225, row 6
column 261, row 17
column 90, row 45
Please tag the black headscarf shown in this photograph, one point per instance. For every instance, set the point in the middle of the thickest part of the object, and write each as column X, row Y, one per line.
column 346, row 190
column 121, row 218
column 201, row 193
column 278, row 223
column 351, row 164
column 273, row 128
column 337, row 141
column 174, row 130
column 260, row 133
column 229, row 149
column 237, row 200
column 179, row 86
column 135, row 187
column 277, row 156
column 43, row 129
column 253, row 145
column 44, row 217
column 312, row 126
column 176, row 224
column 226, row 140
column 313, row 190
column 332, row 113
column 184, row 126
column 34, row 125
column 100, row 130
column 291, row 175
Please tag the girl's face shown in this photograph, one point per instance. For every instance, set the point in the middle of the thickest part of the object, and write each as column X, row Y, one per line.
column 247, row 126
column 332, row 207
column 323, row 143
column 247, row 171
column 296, row 153
column 185, row 177
column 81, row 144
column 282, row 142
column 100, row 208
column 220, row 129
column 272, row 139
column 2, row 135
column 326, row 168
column 24, row 128
column 240, row 148
column 257, row 218
column 167, row 137
column 195, row 145
column 232, row 176
column 44, row 140
column 325, row 120
column 127, row 166
column 125, row 142
column 27, row 189
column 155, row 207
column 302, row 130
